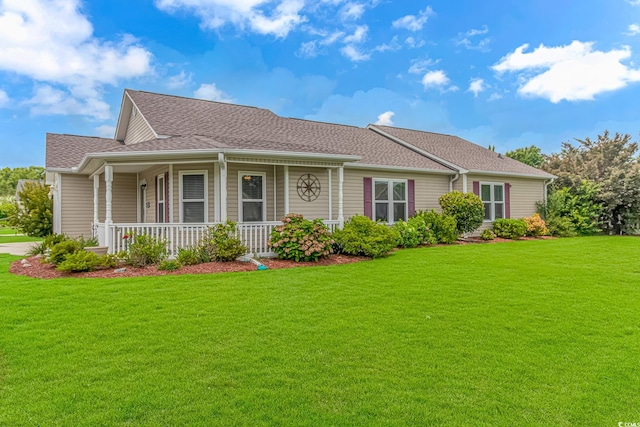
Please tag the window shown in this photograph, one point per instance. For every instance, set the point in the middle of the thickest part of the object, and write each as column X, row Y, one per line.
column 390, row 200
column 252, row 204
column 193, row 196
column 492, row 195
column 161, row 200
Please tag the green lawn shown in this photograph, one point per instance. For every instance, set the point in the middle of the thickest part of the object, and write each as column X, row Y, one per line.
column 10, row 235
column 523, row 333
column 8, row 230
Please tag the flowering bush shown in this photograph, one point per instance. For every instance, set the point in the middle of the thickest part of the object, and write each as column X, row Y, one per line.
column 536, row 226
column 410, row 234
column 300, row 239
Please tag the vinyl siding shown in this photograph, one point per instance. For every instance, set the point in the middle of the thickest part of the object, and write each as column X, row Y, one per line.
column 138, row 130
column 150, row 176
column 428, row 189
column 318, row 208
column 280, row 192
column 233, row 170
column 76, row 193
column 124, row 198
column 176, row 188
column 525, row 193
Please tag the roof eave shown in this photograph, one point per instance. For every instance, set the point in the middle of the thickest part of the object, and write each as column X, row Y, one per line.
column 399, row 168
column 514, row 174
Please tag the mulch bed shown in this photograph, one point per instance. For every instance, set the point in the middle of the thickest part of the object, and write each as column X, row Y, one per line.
column 35, row 268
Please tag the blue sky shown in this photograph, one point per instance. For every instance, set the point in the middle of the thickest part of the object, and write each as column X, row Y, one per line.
column 500, row 72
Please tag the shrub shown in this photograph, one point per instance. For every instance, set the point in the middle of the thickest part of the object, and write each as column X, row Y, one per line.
column 190, row 256
column 33, row 214
column 409, row 236
column 578, row 205
column 86, row 243
column 442, row 226
column 170, row 265
column 144, row 250
column 536, row 226
column 221, row 243
column 510, row 228
column 7, row 210
column 60, row 251
column 560, row 226
column 487, row 235
column 466, row 208
column 79, row 261
column 426, row 235
column 107, row 261
column 361, row 236
column 48, row 242
column 300, row 239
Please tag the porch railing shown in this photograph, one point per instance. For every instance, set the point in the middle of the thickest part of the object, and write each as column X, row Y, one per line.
column 255, row 236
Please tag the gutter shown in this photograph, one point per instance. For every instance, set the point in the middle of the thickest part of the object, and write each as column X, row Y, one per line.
column 546, row 188
column 452, row 180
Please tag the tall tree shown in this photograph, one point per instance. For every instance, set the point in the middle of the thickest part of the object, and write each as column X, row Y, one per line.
column 531, row 156
column 611, row 162
column 9, row 178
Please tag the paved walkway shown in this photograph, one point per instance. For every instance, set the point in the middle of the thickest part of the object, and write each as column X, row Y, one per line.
column 16, row 248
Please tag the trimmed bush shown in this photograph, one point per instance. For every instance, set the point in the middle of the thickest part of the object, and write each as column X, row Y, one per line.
column 221, row 243
column 145, row 250
column 442, row 226
column 190, row 256
column 299, row 239
column 107, row 261
column 536, row 226
column 60, row 251
column 79, row 261
column 426, row 235
column 169, row 265
column 510, row 228
column 409, row 236
column 361, row 236
column 466, row 208
column 487, row 235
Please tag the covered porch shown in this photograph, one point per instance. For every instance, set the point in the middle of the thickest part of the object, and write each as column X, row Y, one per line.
column 178, row 200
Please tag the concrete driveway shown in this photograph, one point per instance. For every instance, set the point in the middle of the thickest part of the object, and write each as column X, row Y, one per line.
column 16, row 248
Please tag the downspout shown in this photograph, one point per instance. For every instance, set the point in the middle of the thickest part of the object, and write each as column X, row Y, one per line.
column 546, row 189
column 452, row 180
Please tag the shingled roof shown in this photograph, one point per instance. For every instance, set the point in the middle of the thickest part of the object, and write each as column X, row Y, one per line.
column 67, row 151
column 461, row 152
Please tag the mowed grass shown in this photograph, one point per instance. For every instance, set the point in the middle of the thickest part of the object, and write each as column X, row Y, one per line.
column 523, row 333
column 10, row 235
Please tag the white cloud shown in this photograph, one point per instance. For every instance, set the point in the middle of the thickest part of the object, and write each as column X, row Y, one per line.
column 51, row 42
column 106, row 131
column 332, row 38
column 634, row 2
column 467, row 39
column 414, row 22
column 352, row 11
column 572, row 72
column 435, row 79
column 385, row 119
column 179, row 80
column 412, row 43
column 354, row 54
column 633, row 30
column 419, row 66
column 308, row 49
column 393, row 45
column 494, row 97
column 358, row 36
column 476, row 86
column 211, row 93
column 4, row 98
column 254, row 14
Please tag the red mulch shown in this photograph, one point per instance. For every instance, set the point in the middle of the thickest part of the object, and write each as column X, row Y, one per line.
column 41, row 270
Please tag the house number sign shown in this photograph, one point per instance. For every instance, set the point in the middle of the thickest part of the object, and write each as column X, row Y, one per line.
column 308, row 187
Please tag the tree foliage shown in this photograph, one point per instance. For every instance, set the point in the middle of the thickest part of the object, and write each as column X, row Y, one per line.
column 33, row 214
column 9, row 178
column 531, row 156
column 611, row 164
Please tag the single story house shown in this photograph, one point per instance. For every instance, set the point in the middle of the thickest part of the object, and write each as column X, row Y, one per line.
column 177, row 165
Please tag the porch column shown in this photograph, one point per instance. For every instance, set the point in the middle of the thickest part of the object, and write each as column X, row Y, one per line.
column 286, row 190
column 330, row 195
column 223, row 188
column 340, row 196
column 464, row 182
column 108, row 221
column 96, row 188
column 170, row 184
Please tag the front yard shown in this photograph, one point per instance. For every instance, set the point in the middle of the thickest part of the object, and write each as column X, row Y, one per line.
column 522, row 333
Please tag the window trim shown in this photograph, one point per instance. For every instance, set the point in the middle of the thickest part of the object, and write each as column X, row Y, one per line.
column 263, row 200
column 205, row 173
column 390, row 200
column 493, row 201
column 162, row 193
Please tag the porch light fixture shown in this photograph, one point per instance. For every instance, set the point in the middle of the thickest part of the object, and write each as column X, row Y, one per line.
column 143, row 186
column 247, row 177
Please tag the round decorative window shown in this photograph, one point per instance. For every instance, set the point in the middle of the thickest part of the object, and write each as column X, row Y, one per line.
column 308, row 187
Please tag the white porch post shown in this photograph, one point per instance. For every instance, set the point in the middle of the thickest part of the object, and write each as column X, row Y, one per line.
column 464, row 183
column 223, row 188
column 286, row 190
column 108, row 221
column 170, row 184
column 340, row 196
column 56, row 190
column 96, row 188
column 216, row 192
column 330, row 195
